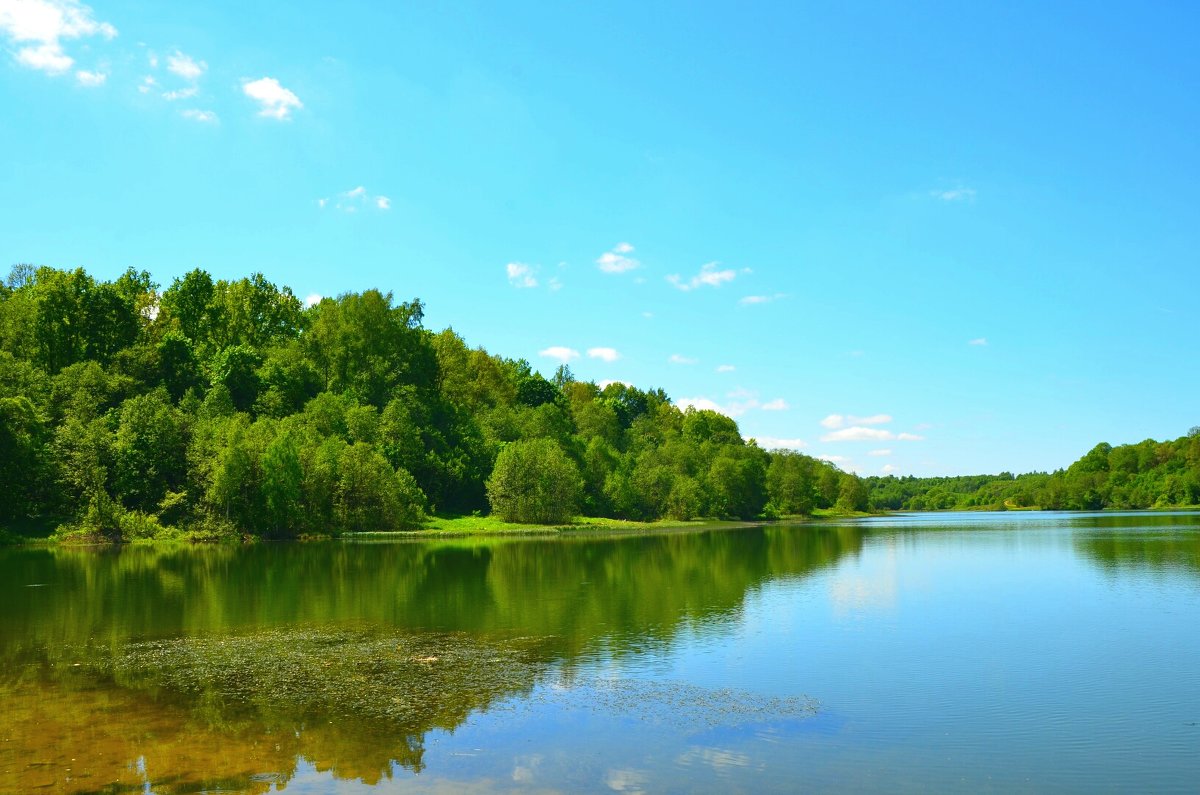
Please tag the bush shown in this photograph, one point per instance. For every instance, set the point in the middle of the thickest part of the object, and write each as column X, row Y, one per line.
column 534, row 481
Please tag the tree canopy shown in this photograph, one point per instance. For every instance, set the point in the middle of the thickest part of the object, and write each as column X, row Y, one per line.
column 216, row 407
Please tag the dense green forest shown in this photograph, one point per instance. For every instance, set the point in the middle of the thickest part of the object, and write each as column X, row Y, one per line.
column 220, row 408
column 1148, row 474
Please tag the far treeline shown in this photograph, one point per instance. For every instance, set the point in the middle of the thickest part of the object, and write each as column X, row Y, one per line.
column 1148, row 474
column 220, row 408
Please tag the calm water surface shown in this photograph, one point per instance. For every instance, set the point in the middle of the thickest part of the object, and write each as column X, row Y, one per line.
column 1032, row 652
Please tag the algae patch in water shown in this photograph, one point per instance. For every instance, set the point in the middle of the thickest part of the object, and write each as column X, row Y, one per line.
column 412, row 682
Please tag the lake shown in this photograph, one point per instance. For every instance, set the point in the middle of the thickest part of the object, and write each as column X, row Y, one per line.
column 982, row 652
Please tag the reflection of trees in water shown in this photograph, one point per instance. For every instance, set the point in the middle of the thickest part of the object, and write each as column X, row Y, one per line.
column 1114, row 551
column 344, row 654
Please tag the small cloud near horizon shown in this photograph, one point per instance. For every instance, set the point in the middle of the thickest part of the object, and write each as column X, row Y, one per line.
column 776, row 443
column 752, row 300
column 676, row 358
column 618, row 260
column 708, row 276
column 605, row 354
column 560, row 352
column 834, row 421
column 959, row 194
column 978, row 341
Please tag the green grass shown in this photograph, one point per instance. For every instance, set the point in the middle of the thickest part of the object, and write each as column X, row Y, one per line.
column 494, row 526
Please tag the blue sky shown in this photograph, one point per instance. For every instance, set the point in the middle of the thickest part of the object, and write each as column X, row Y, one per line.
column 922, row 238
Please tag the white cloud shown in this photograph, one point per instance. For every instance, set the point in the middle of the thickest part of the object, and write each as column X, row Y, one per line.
column 554, row 284
column 750, row 300
column 202, row 116
column 839, row 420
column 185, row 66
column 617, row 260
column 700, row 404
column 148, row 83
column 560, row 352
column 874, row 419
column 834, row 459
column 43, row 25
column 888, row 468
column 357, row 198
column 520, row 275
column 610, row 381
column 676, row 358
column 312, row 300
column 880, row 453
column 725, row 368
column 778, row 404
column 708, row 276
column 954, row 194
column 90, row 79
column 647, row 315
column 775, row 443
column 274, row 101
column 978, row 341
column 181, row 93
column 860, row 433
column 152, row 59
column 607, row 354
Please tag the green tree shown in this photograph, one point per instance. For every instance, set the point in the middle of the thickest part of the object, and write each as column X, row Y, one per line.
column 534, row 481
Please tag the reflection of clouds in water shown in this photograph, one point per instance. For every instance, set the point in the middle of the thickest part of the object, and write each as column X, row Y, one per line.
column 865, row 587
column 524, row 768
column 625, row 780
column 719, row 759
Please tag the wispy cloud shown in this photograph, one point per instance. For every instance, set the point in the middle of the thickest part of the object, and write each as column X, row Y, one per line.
column 725, row 368
column 887, row 469
column 618, row 260
column 709, row 276
column 90, row 79
column 778, row 404
column 202, row 116
column 604, row 354
column 776, row 443
column 880, row 453
column 356, row 199
column 610, row 381
column 274, row 101
column 42, row 26
column 839, row 420
column 979, row 341
column 148, row 84
column 959, row 194
column 185, row 66
column 181, row 93
column 560, row 352
column 677, row 358
column 312, row 300
column 521, row 275
column 752, row 300
column 861, row 433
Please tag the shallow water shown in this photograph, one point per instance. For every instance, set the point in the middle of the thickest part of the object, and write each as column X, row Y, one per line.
column 1003, row 652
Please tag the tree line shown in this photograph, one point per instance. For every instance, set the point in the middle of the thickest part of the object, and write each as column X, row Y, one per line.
column 219, row 408
column 1148, row 474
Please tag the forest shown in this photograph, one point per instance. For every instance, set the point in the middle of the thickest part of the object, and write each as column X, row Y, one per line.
column 222, row 409
column 1148, row 474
